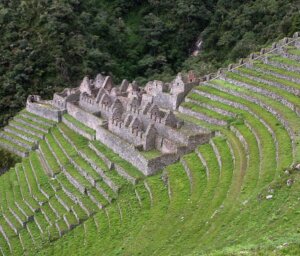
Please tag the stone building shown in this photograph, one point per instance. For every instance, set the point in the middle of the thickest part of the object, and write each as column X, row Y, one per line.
column 142, row 117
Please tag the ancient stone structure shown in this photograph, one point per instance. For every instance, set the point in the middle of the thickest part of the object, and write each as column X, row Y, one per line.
column 130, row 119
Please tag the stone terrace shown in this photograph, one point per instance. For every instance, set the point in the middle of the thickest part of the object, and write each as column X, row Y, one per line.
column 135, row 122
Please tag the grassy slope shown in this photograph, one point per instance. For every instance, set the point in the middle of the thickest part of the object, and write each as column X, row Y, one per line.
column 216, row 205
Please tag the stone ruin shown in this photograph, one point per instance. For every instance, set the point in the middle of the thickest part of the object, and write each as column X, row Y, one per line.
column 130, row 119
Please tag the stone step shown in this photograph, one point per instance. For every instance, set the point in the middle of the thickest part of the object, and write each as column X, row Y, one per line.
column 33, row 168
column 278, row 72
column 280, row 64
column 108, row 163
column 75, row 199
column 287, row 53
column 187, row 171
column 259, row 144
column 11, row 224
column 77, row 128
column 107, row 180
column 18, row 141
column 279, row 85
column 212, row 108
column 28, row 123
column 216, row 152
column 13, row 148
column 45, row 163
column 6, row 238
column 243, row 108
column 121, row 171
column 26, row 129
column 72, row 180
column 17, row 217
column 95, row 167
column 243, row 142
column 36, row 119
column 25, row 136
column 202, row 116
column 260, row 90
column 271, row 110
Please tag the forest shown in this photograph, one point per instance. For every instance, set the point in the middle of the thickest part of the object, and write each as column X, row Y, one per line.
column 47, row 45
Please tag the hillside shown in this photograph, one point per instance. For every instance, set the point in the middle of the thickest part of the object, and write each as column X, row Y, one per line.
column 237, row 194
column 49, row 45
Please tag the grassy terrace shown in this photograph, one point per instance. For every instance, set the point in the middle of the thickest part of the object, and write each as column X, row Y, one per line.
column 294, row 51
column 281, row 71
column 289, row 115
column 32, row 123
column 17, row 138
column 81, row 163
column 27, row 128
column 55, row 168
column 284, row 60
column 24, row 131
column 268, row 148
column 118, row 160
column 24, row 134
column 285, row 149
column 34, row 117
column 29, row 192
column 268, row 77
column 151, row 154
column 288, row 96
column 7, row 143
column 211, row 202
column 78, row 124
column 204, row 111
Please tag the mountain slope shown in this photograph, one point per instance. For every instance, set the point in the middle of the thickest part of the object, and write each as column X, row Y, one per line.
column 237, row 194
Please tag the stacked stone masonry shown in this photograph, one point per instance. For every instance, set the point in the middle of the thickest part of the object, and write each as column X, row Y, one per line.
column 129, row 119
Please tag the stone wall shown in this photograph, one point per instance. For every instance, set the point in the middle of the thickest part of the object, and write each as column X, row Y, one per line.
column 44, row 111
column 84, row 117
column 89, row 104
column 262, row 55
column 77, row 129
column 203, row 117
column 122, row 148
column 132, row 155
column 172, row 101
column 14, row 150
column 165, row 100
column 136, row 137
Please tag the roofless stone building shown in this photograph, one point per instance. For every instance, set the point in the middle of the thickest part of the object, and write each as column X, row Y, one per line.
column 138, row 123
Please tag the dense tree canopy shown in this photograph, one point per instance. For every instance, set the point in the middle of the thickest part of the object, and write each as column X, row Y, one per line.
column 50, row 44
column 7, row 160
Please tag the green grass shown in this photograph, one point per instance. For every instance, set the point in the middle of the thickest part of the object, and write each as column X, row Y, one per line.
column 80, row 125
column 294, row 51
column 289, row 115
column 10, row 145
column 13, row 136
column 274, row 69
column 27, row 128
column 204, row 111
column 151, row 153
column 215, row 206
column 133, row 171
column 268, row 77
column 33, row 116
column 18, row 131
column 285, row 61
column 33, row 123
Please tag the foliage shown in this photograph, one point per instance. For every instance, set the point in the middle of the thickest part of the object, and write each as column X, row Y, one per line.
column 48, row 45
column 7, row 160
